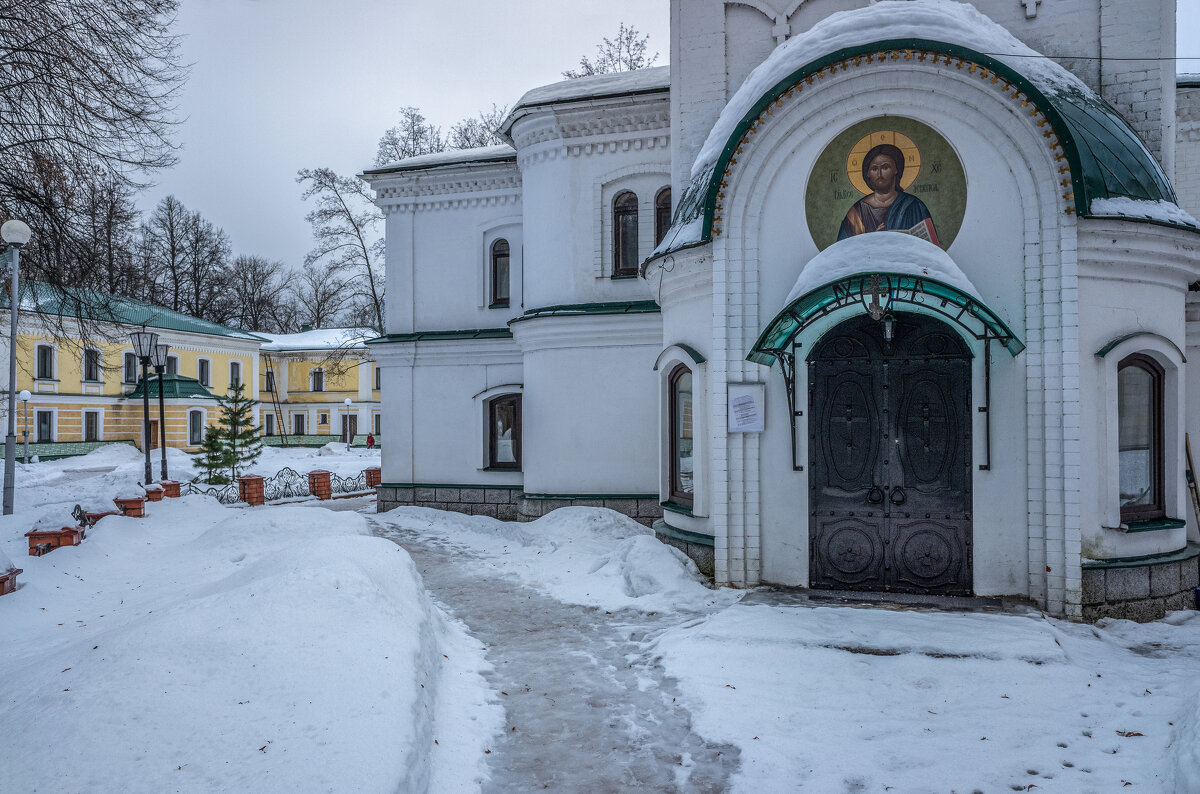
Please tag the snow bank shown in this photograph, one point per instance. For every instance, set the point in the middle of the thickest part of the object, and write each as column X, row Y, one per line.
column 207, row 648
column 844, row 699
column 579, row 555
column 6, row 564
column 881, row 253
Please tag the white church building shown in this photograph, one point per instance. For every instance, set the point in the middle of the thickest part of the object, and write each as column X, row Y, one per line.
column 667, row 296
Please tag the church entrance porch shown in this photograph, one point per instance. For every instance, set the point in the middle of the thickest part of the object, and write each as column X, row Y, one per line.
column 890, row 457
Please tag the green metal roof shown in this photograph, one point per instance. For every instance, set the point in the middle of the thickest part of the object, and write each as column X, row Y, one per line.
column 921, row 292
column 433, row 336
column 174, row 386
column 576, row 309
column 94, row 306
column 1106, row 157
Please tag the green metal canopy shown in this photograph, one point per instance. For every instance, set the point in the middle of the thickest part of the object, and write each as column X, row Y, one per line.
column 173, row 386
column 881, row 293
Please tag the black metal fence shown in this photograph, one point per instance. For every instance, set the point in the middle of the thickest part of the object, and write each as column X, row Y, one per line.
column 287, row 483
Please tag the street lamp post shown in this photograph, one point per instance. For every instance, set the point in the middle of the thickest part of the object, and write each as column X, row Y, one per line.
column 16, row 234
column 346, row 425
column 25, row 395
column 143, row 347
column 160, row 366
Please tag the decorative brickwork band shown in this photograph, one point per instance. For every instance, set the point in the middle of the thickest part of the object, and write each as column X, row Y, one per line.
column 170, row 488
column 134, row 507
column 318, row 484
column 374, row 476
column 251, row 490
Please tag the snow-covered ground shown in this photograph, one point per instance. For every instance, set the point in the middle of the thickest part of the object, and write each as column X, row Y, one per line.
column 281, row 648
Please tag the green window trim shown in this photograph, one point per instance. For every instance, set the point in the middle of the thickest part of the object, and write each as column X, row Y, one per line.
column 1153, row 525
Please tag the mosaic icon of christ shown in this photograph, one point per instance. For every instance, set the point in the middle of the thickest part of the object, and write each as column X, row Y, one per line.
column 886, row 206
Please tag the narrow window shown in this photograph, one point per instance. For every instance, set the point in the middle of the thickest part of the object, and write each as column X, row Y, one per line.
column 195, row 428
column 298, row 424
column 131, row 368
column 625, row 234
column 322, row 419
column 662, row 214
column 318, row 380
column 270, row 381
column 1140, row 438
column 45, row 427
column 45, row 362
column 235, row 374
column 378, row 378
column 269, row 424
column 504, row 432
column 499, row 298
column 91, row 364
column 91, row 426
column 682, row 438
column 377, row 433
column 204, row 372
column 172, row 365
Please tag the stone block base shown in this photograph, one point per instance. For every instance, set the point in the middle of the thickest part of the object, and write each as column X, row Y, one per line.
column 698, row 549
column 1141, row 591
column 506, row 503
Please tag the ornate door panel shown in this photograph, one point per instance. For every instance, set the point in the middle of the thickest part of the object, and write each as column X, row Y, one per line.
column 890, row 459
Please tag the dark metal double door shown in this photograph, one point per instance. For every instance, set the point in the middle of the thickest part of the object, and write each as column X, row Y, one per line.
column 890, row 459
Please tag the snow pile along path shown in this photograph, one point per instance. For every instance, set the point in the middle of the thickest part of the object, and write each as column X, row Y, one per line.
column 578, row 555
column 843, row 699
column 207, row 648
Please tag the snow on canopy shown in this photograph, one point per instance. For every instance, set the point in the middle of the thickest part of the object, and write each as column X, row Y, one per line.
column 1160, row 211
column 636, row 81
column 881, row 252
column 945, row 21
column 481, row 154
column 318, row 339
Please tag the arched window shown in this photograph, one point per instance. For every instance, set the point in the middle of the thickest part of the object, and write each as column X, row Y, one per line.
column 504, row 432
column 499, row 298
column 195, row 428
column 682, row 436
column 662, row 214
column 625, row 234
column 1140, row 438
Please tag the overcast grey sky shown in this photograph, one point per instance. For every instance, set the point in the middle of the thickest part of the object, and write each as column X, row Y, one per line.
column 280, row 85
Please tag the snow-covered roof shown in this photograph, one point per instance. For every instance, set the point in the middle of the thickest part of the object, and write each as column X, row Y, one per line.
column 1121, row 164
column 881, row 252
column 601, row 86
column 1187, row 80
column 1157, row 211
column 318, row 339
column 452, row 157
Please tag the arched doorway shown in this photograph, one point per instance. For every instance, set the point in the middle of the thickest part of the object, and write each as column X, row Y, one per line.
column 890, row 458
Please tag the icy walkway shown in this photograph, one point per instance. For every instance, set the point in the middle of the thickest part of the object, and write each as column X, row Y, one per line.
column 588, row 708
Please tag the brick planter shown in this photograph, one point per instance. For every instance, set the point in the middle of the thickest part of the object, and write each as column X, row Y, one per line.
column 252, row 490
column 133, row 507
column 170, row 488
column 154, row 493
column 318, row 484
column 43, row 541
column 374, row 476
column 8, row 580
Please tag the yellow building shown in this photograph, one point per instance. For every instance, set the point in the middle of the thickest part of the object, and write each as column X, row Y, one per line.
column 83, row 377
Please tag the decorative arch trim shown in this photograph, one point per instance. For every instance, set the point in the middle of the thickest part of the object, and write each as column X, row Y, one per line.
column 1120, row 340
column 670, row 353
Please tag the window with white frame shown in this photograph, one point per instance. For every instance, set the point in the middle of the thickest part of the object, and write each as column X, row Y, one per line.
column 204, row 372
column 682, row 436
column 195, row 428
column 235, row 373
column 662, row 214
column 45, row 362
column 130, row 369
column 91, row 364
column 625, row 234
column 378, row 377
column 91, row 425
column 504, row 432
column 1140, row 438
column 172, row 365
column 499, row 275
column 298, row 424
column 318, row 380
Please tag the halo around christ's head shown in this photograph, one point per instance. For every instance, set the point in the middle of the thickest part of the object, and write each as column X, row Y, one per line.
column 912, row 158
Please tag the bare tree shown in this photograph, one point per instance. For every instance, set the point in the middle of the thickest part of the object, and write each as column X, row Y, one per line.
column 207, row 289
column 411, row 137
column 344, row 222
column 624, row 53
column 86, row 86
column 472, row 133
column 318, row 295
column 166, row 250
column 262, row 290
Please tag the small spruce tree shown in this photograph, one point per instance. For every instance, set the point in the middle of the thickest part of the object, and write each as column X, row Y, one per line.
column 214, row 457
column 240, row 433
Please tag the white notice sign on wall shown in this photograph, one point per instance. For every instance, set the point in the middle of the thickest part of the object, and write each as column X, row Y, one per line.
column 746, row 401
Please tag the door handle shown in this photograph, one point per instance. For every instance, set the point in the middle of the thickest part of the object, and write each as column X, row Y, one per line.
column 875, row 495
column 898, row 497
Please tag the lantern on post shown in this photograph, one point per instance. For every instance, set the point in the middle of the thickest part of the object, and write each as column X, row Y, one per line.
column 143, row 347
column 159, row 361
